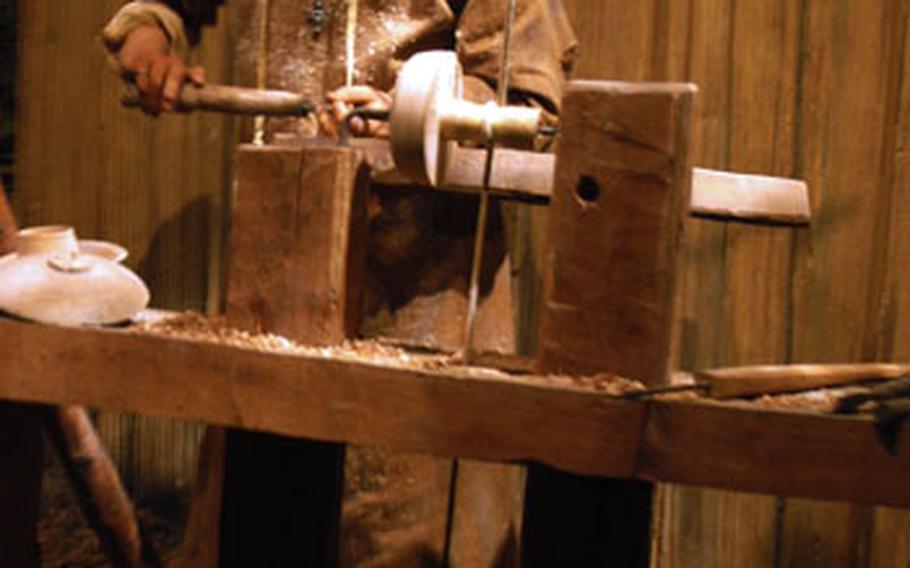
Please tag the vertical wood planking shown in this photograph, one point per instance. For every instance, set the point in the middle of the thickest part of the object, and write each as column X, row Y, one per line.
column 847, row 300
column 615, row 38
column 694, row 41
column 850, row 76
column 85, row 161
column 743, row 55
column 890, row 537
column 156, row 186
column 845, row 79
column 762, row 111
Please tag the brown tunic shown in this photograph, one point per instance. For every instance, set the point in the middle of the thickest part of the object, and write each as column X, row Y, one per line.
column 543, row 43
column 420, row 242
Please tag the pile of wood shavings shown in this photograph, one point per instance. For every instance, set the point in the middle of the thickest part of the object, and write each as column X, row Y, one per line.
column 606, row 383
column 821, row 400
column 196, row 327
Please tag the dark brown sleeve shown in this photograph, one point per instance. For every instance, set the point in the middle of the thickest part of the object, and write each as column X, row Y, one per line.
column 542, row 49
column 195, row 14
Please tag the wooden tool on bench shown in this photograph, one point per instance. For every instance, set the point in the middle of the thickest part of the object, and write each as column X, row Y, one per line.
column 740, row 382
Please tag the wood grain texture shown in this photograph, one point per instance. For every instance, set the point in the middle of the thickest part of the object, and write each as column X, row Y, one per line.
column 737, row 278
column 848, row 296
column 889, row 544
column 159, row 187
column 750, row 381
column 396, row 508
column 446, row 411
column 297, row 268
column 278, row 393
column 850, row 89
column 306, row 206
column 620, row 200
column 725, row 195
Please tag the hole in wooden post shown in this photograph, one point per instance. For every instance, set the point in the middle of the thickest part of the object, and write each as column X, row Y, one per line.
column 588, row 189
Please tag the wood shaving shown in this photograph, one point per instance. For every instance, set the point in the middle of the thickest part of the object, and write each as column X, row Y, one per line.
column 196, row 327
column 820, row 400
column 606, row 383
column 193, row 326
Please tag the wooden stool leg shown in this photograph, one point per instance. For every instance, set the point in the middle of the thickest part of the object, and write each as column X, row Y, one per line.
column 621, row 195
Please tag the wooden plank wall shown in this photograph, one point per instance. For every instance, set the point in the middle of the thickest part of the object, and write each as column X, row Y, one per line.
column 156, row 186
column 809, row 88
column 806, row 88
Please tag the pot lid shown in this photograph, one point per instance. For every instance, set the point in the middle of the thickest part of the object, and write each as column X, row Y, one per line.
column 69, row 288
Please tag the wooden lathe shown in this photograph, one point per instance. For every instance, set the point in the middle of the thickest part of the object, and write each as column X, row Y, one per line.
column 618, row 189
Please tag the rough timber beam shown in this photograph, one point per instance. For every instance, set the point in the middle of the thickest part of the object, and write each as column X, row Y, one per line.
column 483, row 415
column 528, row 176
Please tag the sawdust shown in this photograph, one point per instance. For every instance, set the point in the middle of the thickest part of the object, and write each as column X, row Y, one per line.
column 65, row 539
column 606, row 383
column 819, row 400
column 196, row 327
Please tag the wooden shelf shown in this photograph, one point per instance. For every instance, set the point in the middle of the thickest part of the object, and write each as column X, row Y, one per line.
column 472, row 413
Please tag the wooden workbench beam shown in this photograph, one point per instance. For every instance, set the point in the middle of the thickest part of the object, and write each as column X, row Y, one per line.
column 483, row 415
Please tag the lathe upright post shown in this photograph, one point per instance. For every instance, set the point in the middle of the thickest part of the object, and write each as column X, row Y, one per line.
column 620, row 200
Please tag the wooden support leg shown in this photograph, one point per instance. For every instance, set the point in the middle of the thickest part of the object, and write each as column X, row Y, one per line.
column 281, row 501
column 296, row 262
column 620, row 199
column 571, row 520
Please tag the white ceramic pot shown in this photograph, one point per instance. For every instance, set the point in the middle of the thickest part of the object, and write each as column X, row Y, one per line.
column 50, row 280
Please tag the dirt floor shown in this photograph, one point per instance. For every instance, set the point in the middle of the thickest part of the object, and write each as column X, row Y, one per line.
column 66, row 540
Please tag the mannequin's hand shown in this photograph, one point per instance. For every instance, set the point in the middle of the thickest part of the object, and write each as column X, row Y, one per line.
column 345, row 99
column 146, row 60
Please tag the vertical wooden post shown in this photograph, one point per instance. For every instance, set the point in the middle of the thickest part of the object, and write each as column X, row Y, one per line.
column 612, row 285
column 298, row 242
column 297, row 256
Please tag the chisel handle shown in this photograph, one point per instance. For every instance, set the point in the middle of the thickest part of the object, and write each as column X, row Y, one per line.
column 233, row 100
column 734, row 382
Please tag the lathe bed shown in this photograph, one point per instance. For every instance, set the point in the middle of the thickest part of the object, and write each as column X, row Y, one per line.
column 424, row 403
